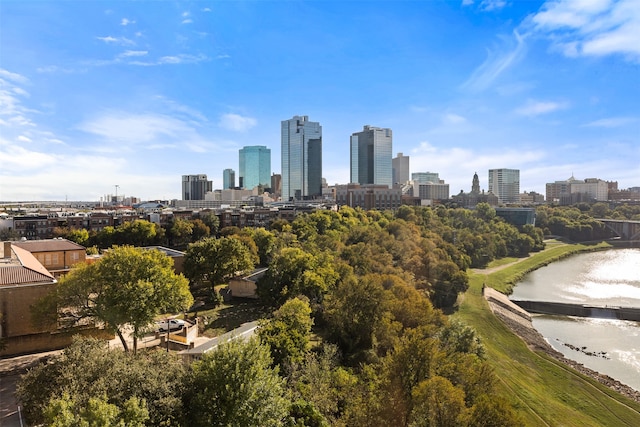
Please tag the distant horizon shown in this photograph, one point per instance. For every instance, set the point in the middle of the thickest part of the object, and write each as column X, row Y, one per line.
column 137, row 94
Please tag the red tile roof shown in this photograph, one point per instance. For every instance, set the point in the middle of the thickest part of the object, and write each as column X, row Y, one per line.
column 23, row 269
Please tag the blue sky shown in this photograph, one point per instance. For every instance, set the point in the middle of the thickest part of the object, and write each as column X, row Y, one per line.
column 95, row 94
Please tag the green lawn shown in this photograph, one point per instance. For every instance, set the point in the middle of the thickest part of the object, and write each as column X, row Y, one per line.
column 544, row 391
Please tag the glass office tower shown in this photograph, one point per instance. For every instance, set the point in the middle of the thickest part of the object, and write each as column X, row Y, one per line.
column 301, row 159
column 371, row 156
column 228, row 179
column 255, row 167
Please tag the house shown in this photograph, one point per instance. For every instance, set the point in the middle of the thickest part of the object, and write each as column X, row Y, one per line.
column 246, row 287
column 56, row 255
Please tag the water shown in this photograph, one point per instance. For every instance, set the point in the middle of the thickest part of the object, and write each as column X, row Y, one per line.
column 612, row 278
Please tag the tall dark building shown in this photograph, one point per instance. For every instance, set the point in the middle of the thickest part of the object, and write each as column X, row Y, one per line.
column 194, row 187
column 371, row 156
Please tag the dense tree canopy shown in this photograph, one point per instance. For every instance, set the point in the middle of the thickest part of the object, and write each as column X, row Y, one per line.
column 117, row 382
column 236, row 386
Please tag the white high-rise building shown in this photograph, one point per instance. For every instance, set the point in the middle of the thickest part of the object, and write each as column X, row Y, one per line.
column 505, row 183
column 400, row 165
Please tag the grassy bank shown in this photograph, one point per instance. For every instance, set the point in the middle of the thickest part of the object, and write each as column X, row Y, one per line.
column 544, row 391
column 504, row 279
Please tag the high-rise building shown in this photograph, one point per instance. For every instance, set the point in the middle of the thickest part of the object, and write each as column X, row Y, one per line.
column 425, row 177
column 400, row 167
column 255, row 167
column 505, row 183
column 228, row 179
column 301, row 159
column 194, row 187
column 371, row 156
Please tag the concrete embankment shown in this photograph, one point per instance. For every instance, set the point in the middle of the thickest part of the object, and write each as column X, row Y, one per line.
column 519, row 321
column 580, row 310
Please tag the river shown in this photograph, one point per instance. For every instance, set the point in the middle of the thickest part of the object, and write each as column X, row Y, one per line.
column 610, row 277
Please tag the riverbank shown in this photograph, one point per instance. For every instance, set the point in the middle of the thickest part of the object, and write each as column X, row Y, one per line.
column 521, row 325
column 543, row 389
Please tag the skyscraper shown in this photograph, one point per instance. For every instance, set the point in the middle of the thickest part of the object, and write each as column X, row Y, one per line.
column 194, row 187
column 301, row 158
column 400, row 166
column 371, row 156
column 228, row 179
column 255, row 167
column 505, row 183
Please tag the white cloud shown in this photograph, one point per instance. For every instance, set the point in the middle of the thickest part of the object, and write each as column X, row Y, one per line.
column 130, row 53
column 453, row 119
column 236, row 122
column 23, row 138
column 185, row 14
column 495, row 64
column 182, row 59
column 612, row 122
column 223, row 56
column 590, row 28
column 16, row 78
column 134, row 129
column 126, row 22
column 206, row 9
column 15, row 158
column 56, row 69
column 467, row 2
column 489, row 5
column 536, row 108
column 172, row 60
column 123, row 41
column 187, row 21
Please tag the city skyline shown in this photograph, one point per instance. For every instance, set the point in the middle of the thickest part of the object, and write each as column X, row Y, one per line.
column 137, row 94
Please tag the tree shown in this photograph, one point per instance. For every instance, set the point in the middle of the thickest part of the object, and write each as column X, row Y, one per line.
column 150, row 382
column 295, row 272
column 212, row 221
column 287, row 333
column 180, row 232
column 213, row 261
column 64, row 412
column 128, row 286
column 138, row 233
column 200, row 230
column 353, row 311
column 493, row 411
column 437, row 403
column 235, row 385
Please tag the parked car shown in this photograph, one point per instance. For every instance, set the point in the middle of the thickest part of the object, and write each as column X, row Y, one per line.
column 174, row 325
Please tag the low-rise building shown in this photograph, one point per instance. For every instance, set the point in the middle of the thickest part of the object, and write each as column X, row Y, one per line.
column 56, row 255
column 23, row 281
column 369, row 196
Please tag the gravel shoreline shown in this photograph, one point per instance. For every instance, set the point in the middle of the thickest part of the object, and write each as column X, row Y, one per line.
column 536, row 342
